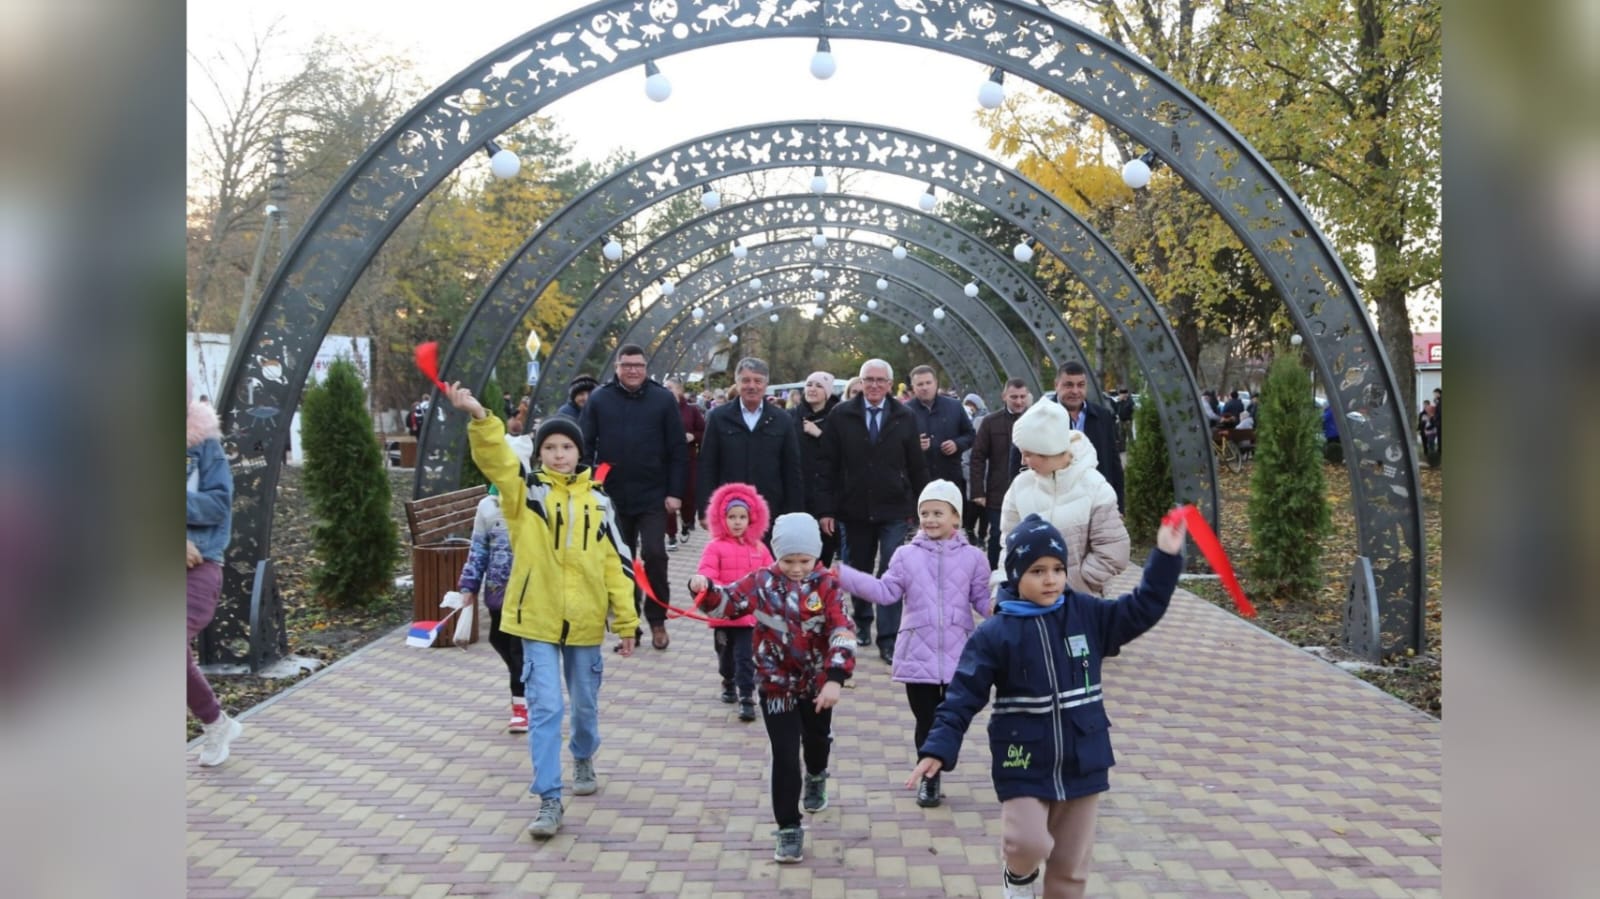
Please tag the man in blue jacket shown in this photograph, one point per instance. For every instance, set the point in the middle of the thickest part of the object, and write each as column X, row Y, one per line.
column 632, row 423
column 945, row 429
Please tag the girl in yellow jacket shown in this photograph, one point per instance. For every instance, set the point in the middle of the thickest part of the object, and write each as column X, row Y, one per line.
column 568, row 570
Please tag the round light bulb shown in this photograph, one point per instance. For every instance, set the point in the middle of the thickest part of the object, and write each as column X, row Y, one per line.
column 939, row 313
column 698, row 313
column 1022, row 252
column 905, row 338
column 733, row 338
column 872, row 304
column 819, row 296
column 773, row 318
column 819, row 240
column 863, row 318
column 883, row 283
column 926, row 201
column 819, row 182
column 991, row 94
column 740, row 251
column 970, row 290
column 710, row 200
column 1295, row 340
column 898, row 252
column 1136, row 174
column 818, row 274
column 612, row 250
column 719, row 327
column 668, row 288
column 505, row 164
column 918, row 328
column 823, row 64
column 755, row 283
column 657, row 87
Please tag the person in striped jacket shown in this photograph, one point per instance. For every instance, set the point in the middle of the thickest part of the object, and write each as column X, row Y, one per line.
column 1048, row 734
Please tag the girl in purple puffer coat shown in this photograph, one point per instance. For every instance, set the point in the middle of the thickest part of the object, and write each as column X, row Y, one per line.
column 943, row 579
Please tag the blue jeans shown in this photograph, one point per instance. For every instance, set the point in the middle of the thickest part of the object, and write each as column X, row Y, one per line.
column 867, row 542
column 541, row 673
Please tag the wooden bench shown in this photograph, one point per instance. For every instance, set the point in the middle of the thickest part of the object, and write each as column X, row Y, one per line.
column 441, row 535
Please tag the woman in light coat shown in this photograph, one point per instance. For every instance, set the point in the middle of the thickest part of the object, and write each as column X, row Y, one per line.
column 1060, row 482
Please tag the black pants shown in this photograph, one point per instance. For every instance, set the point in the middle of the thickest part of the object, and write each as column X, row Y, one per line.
column 735, row 659
column 924, row 700
column 869, row 545
column 510, row 649
column 646, row 535
column 802, row 728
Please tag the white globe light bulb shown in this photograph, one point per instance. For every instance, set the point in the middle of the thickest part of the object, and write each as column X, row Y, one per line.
column 818, row 274
column 720, row 327
column 612, row 250
column 926, row 201
column 905, row 338
column 656, row 85
column 939, row 313
column 755, row 283
column 773, row 318
column 1295, row 340
column 668, row 288
column 819, row 240
column 899, row 252
column 733, row 338
column 918, row 328
column 819, row 182
column 740, row 251
column 970, row 290
column 698, row 313
column 872, row 304
column 1136, row 174
column 883, row 283
column 991, row 94
column 505, row 164
column 1022, row 252
column 819, row 296
column 823, row 64
column 710, row 200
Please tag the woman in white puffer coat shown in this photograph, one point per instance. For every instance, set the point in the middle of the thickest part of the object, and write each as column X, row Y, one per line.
column 1060, row 482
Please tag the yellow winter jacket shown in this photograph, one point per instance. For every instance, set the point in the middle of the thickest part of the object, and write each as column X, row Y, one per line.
column 568, row 567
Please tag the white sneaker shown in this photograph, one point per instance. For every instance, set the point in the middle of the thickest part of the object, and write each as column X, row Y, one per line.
column 1019, row 890
column 218, row 735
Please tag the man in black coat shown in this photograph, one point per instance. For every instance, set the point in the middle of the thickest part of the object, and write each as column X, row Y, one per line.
column 945, row 428
column 1097, row 422
column 873, row 470
column 632, row 422
column 751, row 441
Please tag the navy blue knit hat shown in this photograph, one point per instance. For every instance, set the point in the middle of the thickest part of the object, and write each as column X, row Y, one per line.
column 1033, row 539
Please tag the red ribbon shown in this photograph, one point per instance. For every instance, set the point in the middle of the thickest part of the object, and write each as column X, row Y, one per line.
column 1211, row 547
column 643, row 581
column 428, row 361
column 600, row 473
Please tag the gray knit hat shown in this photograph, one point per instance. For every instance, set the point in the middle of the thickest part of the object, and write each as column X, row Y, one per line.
column 796, row 533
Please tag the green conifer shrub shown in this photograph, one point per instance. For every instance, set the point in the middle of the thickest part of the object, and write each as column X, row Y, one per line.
column 1148, row 478
column 1288, row 505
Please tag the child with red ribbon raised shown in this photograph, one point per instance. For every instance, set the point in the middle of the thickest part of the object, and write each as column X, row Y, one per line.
column 568, row 569
column 736, row 516
column 1048, row 734
column 804, row 651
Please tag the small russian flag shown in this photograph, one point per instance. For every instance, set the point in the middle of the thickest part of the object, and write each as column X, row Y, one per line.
column 423, row 633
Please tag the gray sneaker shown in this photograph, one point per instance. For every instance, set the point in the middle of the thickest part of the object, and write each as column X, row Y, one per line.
column 791, row 846
column 583, row 779
column 816, row 794
column 219, row 735
column 549, row 820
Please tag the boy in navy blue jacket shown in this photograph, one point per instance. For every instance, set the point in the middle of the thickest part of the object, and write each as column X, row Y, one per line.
column 1049, row 733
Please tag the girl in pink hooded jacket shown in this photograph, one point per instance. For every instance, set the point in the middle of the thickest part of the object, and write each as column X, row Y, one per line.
column 943, row 579
column 736, row 516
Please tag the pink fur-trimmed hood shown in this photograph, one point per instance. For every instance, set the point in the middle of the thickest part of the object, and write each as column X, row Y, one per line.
column 717, row 511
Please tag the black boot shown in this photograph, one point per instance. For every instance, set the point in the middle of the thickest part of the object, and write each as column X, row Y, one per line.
column 928, row 793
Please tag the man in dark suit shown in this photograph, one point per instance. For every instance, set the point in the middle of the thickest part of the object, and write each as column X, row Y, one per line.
column 873, row 470
column 1097, row 422
column 752, row 442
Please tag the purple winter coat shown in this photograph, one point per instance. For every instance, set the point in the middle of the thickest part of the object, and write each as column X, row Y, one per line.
column 943, row 582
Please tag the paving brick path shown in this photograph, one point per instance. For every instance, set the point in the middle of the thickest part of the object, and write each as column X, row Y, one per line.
column 1245, row 768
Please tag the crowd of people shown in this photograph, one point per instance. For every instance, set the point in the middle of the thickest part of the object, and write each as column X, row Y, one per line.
column 969, row 548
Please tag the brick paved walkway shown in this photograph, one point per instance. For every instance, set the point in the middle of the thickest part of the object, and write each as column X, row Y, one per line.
column 1246, row 768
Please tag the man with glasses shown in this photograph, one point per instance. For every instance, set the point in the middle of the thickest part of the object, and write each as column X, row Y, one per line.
column 872, row 472
column 633, row 423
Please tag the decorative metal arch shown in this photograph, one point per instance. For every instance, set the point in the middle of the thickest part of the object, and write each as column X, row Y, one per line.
column 939, row 342
column 912, row 292
column 986, row 265
column 1028, row 42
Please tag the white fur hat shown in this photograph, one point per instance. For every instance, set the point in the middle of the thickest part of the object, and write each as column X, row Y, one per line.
column 1044, row 429
column 943, row 491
